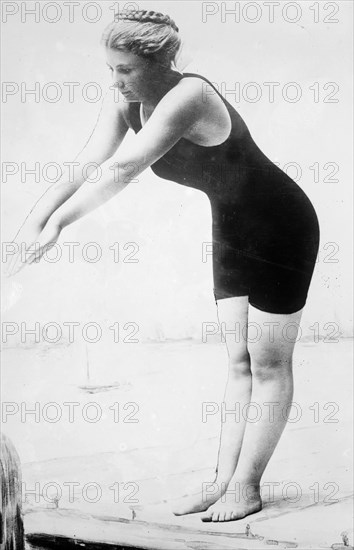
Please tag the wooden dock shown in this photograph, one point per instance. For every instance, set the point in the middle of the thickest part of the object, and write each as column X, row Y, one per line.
column 170, row 450
column 72, row 528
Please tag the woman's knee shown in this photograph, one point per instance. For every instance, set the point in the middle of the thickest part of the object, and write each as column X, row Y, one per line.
column 239, row 365
column 266, row 367
column 271, row 354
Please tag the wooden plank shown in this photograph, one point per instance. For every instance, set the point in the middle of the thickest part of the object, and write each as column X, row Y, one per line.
column 117, row 524
column 53, row 528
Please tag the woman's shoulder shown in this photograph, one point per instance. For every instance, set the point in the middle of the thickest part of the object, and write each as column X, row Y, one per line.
column 194, row 94
column 194, row 91
column 193, row 85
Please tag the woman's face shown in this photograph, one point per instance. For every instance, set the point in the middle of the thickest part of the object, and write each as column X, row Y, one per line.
column 132, row 74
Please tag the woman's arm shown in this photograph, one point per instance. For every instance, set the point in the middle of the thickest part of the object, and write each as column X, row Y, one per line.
column 176, row 113
column 106, row 137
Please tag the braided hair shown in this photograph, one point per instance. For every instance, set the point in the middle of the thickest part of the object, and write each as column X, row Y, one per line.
column 144, row 16
column 149, row 34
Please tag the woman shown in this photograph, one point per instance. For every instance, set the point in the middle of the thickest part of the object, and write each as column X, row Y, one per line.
column 265, row 233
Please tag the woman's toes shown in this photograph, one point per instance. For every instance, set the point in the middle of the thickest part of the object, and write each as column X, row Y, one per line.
column 222, row 516
column 208, row 516
column 228, row 516
column 215, row 517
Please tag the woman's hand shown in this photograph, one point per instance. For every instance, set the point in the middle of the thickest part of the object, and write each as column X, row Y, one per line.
column 31, row 243
column 46, row 241
column 16, row 250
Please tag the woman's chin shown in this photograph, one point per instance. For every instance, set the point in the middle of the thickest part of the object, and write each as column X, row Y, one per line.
column 129, row 98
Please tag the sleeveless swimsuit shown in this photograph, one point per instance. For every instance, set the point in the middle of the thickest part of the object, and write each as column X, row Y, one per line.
column 265, row 230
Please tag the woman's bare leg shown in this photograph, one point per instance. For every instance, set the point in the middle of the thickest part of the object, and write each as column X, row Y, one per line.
column 272, row 391
column 232, row 316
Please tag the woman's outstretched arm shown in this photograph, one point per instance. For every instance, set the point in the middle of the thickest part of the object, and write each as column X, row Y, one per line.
column 108, row 133
column 176, row 113
column 106, row 137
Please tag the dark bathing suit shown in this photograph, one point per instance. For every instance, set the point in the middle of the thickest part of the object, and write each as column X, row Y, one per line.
column 265, row 229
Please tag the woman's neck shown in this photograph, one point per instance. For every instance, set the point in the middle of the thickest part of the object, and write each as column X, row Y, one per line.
column 163, row 85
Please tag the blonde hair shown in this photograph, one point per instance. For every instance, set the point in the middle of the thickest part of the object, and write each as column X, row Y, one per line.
column 149, row 34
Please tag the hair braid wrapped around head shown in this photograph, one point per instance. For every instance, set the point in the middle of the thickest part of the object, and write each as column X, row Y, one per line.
column 146, row 33
column 144, row 16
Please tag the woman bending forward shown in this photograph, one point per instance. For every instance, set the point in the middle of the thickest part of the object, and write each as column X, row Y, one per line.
column 265, row 233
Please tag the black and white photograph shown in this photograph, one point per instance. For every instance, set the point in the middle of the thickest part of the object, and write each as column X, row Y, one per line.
column 177, row 275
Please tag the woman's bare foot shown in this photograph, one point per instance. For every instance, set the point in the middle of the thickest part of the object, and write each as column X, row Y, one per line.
column 240, row 500
column 200, row 501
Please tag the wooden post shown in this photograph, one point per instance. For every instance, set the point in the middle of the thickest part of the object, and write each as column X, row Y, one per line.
column 11, row 524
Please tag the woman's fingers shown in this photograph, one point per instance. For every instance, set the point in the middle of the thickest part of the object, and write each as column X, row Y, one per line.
column 11, row 252
column 11, row 264
column 16, row 265
column 26, row 254
column 11, row 267
column 23, row 244
column 20, row 257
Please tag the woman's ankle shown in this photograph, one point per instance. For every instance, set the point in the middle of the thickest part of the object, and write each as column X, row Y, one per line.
column 222, row 480
column 252, row 485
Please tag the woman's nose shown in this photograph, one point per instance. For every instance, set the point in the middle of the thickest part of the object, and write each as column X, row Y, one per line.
column 118, row 82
